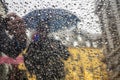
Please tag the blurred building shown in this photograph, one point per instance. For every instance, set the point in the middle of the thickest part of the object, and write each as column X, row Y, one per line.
column 3, row 67
column 109, row 15
column 3, row 8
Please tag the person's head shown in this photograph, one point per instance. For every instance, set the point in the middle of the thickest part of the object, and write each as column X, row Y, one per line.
column 43, row 29
column 16, row 26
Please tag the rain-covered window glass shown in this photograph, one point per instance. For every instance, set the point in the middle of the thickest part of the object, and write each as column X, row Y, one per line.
column 118, row 4
column 59, row 39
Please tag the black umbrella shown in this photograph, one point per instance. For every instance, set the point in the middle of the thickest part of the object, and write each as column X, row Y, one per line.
column 56, row 19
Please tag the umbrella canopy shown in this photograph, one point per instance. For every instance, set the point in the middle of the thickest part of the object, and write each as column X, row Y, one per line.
column 56, row 19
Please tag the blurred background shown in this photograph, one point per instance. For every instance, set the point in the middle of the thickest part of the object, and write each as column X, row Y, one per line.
column 98, row 25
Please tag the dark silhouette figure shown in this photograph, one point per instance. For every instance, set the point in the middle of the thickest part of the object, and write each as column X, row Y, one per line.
column 14, row 26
